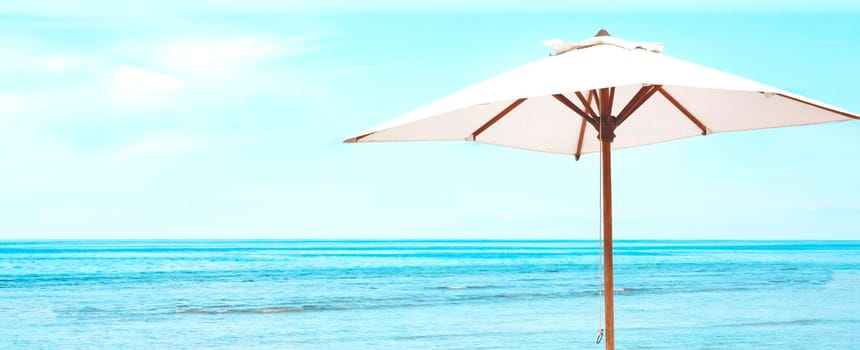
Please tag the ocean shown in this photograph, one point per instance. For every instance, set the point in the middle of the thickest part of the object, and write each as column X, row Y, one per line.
column 294, row 294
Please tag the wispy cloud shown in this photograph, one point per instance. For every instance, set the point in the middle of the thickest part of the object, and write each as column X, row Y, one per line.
column 58, row 63
column 134, row 79
column 135, row 89
column 228, row 68
column 209, row 59
column 20, row 56
column 203, row 55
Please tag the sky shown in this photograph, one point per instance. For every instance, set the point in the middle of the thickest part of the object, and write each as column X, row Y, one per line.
column 224, row 119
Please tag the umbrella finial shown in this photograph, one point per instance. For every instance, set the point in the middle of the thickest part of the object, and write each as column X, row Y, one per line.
column 602, row 32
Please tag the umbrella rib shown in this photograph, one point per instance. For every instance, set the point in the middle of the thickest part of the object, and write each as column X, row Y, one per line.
column 596, row 98
column 643, row 95
column 565, row 101
column 579, row 142
column 844, row 114
column 592, row 96
column 587, row 104
column 357, row 138
column 495, row 119
column 636, row 97
column 683, row 110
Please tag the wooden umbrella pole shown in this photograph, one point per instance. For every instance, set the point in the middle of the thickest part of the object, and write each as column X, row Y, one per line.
column 606, row 133
column 605, row 162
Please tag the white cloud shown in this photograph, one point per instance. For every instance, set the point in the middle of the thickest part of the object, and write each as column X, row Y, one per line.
column 216, row 58
column 135, row 89
column 176, row 75
column 206, row 53
column 221, row 70
column 135, row 79
column 161, row 143
column 58, row 63
column 23, row 56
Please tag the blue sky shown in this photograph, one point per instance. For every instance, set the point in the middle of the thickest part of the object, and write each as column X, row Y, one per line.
column 220, row 119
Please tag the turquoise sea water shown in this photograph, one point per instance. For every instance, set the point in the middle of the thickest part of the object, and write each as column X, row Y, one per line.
column 426, row 295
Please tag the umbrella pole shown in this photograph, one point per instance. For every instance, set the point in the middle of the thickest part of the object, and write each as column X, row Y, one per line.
column 606, row 171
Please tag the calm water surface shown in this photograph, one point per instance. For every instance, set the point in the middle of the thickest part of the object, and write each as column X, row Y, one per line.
column 426, row 295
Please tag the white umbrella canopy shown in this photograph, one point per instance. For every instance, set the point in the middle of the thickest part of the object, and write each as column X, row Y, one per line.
column 597, row 95
column 684, row 100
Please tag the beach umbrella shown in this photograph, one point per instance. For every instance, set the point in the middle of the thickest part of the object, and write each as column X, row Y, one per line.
column 601, row 94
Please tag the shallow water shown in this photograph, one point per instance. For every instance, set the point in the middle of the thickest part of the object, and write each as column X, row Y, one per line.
column 426, row 294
